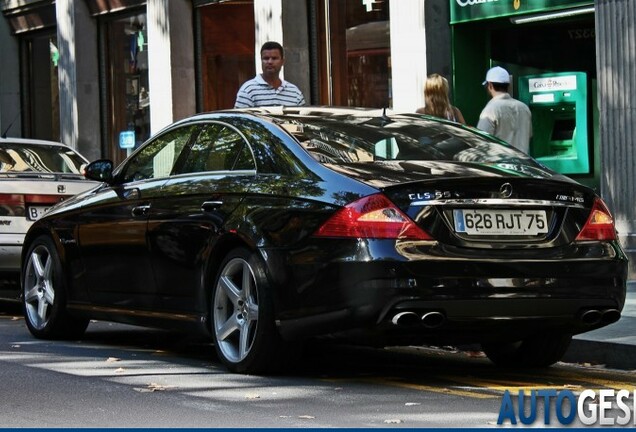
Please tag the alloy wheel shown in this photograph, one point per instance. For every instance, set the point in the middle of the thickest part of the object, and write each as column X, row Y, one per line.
column 39, row 290
column 235, row 310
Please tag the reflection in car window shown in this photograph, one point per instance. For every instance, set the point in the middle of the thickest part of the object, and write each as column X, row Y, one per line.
column 157, row 158
column 218, row 148
column 355, row 139
column 23, row 157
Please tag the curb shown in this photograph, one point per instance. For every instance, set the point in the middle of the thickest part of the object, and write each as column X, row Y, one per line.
column 610, row 354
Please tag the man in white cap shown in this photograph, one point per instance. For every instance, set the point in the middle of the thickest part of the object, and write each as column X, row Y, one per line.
column 503, row 116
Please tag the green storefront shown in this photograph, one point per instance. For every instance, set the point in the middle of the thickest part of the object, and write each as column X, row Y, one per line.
column 548, row 47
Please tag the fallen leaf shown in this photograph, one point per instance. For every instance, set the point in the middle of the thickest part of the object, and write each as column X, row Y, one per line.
column 392, row 421
column 143, row 389
column 152, row 387
column 158, row 387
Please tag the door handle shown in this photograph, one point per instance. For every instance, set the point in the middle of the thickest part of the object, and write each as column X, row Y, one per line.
column 141, row 210
column 209, row 206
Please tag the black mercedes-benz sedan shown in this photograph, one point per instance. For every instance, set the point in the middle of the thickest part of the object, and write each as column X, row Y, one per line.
column 265, row 228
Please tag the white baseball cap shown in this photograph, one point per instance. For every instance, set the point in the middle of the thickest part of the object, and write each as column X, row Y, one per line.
column 497, row 75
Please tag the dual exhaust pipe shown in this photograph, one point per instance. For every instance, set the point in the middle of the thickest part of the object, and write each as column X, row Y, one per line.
column 431, row 319
column 599, row 316
column 435, row 319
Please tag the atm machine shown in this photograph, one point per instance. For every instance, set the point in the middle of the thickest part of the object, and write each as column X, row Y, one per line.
column 558, row 102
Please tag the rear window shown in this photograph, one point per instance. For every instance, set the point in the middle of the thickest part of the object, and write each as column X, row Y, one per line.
column 17, row 158
column 338, row 140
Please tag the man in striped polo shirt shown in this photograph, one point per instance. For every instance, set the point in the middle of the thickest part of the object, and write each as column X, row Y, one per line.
column 268, row 88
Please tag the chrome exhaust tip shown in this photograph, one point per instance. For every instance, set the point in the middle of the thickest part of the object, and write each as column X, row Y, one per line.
column 610, row 316
column 405, row 318
column 591, row 317
column 433, row 319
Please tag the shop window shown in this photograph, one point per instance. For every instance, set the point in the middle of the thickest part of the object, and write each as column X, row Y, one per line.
column 126, row 58
column 40, row 86
column 355, row 57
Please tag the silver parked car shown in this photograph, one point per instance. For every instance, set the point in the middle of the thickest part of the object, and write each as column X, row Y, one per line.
column 34, row 176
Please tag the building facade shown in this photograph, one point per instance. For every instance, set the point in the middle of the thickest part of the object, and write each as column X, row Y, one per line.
column 103, row 75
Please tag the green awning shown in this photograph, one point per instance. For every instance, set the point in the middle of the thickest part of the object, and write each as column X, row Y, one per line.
column 472, row 10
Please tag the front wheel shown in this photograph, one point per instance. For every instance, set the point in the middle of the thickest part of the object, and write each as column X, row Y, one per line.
column 535, row 352
column 44, row 294
column 242, row 316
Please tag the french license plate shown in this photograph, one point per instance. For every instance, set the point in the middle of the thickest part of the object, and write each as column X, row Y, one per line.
column 500, row 222
column 36, row 212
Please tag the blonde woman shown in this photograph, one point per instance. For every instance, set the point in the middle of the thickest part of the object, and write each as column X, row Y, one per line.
column 437, row 102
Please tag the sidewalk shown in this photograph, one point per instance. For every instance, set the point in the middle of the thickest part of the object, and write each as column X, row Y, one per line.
column 613, row 345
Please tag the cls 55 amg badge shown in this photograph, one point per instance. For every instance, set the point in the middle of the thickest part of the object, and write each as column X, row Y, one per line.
column 570, row 198
column 430, row 195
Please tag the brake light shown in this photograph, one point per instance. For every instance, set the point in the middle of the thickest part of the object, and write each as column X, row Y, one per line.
column 16, row 204
column 11, row 205
column 599, row 225
column 43, row 199
column 373, row 216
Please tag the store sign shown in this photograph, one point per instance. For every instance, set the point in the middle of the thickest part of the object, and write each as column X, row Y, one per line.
column 473, row 10
column 557, row 83
column 127, row 139
column 371, row 5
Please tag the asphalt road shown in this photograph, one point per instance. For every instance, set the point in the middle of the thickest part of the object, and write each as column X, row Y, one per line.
column 123, row 376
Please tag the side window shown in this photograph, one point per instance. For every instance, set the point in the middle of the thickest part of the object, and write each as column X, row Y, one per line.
column 218, row 148
column 157, row 158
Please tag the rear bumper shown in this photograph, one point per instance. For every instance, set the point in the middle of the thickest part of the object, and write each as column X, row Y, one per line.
column 10, row 267
column 10, row 257
column 478, row 299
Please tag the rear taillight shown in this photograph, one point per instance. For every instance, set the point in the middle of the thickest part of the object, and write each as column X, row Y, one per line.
column 12, row 205
column 43, row 199
column 16, row 204
column 373, row 216
column 599, row 225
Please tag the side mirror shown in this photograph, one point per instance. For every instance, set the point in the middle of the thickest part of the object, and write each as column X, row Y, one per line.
column 99, row 170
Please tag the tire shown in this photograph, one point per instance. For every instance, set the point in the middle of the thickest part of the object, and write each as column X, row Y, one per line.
column 44, row 294
column 242, row 316
column 535, row 352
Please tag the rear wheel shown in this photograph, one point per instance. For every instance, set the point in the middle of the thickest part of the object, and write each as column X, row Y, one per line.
column 538, row 351
column 44, row 294
column 246, row 338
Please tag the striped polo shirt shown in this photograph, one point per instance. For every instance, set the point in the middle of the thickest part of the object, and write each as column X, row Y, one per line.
column 256, row 92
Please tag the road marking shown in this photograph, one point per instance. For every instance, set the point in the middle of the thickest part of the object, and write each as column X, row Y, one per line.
column 445, row 390
column 413, row 386
column 489, row 387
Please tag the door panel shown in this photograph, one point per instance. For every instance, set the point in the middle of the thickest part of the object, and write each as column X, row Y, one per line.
column 114, row 247
column 114, row 238
column 182, row 230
